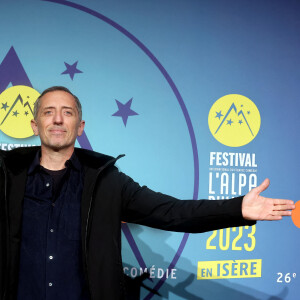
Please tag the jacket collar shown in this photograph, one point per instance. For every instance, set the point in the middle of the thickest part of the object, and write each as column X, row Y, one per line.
column 19, row 159
column 93, row 159
column 73, row 162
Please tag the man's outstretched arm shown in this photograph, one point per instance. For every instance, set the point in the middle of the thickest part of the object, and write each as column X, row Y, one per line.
column 256, row 207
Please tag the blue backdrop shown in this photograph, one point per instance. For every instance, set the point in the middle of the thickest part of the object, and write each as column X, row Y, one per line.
column 148, row 74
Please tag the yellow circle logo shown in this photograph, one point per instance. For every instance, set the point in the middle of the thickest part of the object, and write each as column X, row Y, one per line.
column 16, row 111
column 234, row 120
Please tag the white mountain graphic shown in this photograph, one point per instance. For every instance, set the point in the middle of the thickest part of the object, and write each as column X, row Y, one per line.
column 18, row 99
column 233, row 107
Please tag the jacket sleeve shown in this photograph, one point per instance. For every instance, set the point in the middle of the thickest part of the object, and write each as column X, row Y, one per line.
column 143, row 206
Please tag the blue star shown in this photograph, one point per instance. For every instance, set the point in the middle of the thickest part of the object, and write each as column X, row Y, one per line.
column 71, row 69
column 219, row 115
column 26, row 113
column 4, row 106
column 124, row 111
column 229, row 122
column 240, row 122
column 15, row 113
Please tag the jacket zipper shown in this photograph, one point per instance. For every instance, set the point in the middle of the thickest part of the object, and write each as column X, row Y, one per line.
column 7, row 227
column 100, row 170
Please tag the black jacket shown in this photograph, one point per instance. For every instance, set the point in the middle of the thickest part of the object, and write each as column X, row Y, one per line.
column 109, row 197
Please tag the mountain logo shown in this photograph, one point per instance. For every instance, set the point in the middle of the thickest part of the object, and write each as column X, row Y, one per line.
column 16, row 111
column 234, row 120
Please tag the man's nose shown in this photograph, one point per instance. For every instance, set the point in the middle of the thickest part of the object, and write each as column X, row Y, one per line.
column 58, row 118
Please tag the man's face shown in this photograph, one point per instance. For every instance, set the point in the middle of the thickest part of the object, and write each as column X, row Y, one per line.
column 57, row 121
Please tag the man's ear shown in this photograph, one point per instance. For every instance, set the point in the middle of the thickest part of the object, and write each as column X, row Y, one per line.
column 80, row 128
column 34, row 127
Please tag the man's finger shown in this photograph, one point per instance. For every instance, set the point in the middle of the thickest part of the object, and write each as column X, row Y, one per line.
column 283, row 202
column 282, row 213
column 283, row 207
column 273, row 218
column 263, row 186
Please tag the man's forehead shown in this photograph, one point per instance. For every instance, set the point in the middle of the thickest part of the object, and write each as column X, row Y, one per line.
column 58, row 99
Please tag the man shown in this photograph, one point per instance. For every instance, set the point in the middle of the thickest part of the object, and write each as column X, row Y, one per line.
column 61, row 211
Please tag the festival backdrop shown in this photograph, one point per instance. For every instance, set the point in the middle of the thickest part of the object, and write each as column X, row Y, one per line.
column 201, row 96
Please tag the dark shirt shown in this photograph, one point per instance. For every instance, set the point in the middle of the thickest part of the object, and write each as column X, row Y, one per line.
column 51, row 257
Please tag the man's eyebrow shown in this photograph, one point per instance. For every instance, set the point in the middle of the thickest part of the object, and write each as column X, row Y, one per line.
column 48, row 107
column 68, row 107
column 52, row 107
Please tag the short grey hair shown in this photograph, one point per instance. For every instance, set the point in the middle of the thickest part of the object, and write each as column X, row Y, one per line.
column 37, row 103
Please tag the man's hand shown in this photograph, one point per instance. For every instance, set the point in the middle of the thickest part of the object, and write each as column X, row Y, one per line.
column 256, row 207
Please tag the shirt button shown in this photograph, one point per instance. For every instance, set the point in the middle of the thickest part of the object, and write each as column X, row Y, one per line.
column 51, row 230
column 51, row 257
column 53, row 204
column 47, row 184
column 50, row 284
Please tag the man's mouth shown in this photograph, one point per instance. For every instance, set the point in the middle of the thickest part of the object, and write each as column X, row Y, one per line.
column 57, row 131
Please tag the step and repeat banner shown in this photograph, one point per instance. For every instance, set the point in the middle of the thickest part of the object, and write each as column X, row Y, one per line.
column 201, row 96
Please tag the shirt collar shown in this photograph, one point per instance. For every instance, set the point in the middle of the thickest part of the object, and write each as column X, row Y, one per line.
column 72, row 162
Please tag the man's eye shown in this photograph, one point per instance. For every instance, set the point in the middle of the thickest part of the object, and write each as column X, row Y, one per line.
column 47, row 112
column 68, row 113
